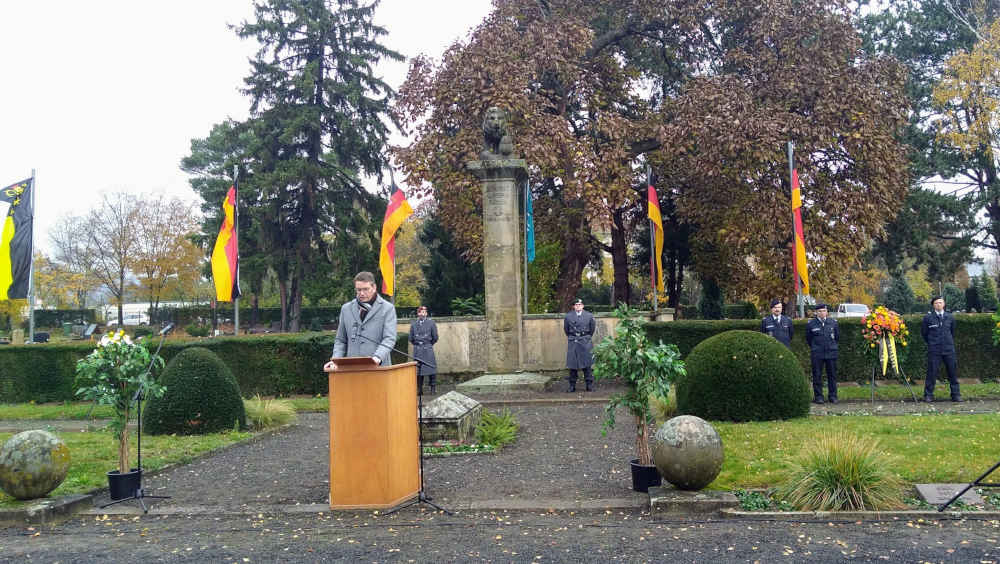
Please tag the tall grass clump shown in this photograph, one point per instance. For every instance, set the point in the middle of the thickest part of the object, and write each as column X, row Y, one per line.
column 663, row 409
column 842, row 472
column 497, row 429
column 265, row 413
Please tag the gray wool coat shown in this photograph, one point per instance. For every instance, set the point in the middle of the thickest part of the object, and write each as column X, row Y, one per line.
column 579, row 331
column 423, row 336
column 375, row 336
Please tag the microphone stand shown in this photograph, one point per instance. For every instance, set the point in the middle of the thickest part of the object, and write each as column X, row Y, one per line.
column 421, row 496
column 140, row 493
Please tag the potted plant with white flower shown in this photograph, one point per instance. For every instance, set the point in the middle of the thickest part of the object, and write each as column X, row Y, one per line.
column 113, row 374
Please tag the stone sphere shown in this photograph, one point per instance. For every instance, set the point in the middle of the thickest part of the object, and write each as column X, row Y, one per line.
column 32, row 464
column 688, row 452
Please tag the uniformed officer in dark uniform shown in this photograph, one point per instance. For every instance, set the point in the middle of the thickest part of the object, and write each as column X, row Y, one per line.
column 579, row 327
column 423, row 335
column 823, row 336
column 777, row 325
column 938, row 331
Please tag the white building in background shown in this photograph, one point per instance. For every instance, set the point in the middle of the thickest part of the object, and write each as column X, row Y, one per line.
column 133, row 313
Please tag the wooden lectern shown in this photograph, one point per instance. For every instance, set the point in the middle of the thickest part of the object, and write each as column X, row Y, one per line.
column 374, row 444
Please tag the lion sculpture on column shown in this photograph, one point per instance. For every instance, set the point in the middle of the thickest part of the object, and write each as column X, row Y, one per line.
column 498, row 141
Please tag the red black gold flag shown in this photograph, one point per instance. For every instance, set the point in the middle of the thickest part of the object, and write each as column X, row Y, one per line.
column 799, row 256
column 656, row 223
column 15, row 243
column 395, row 214
column 226, row 255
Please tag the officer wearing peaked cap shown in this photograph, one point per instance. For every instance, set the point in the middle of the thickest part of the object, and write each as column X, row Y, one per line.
column 777, row 325
column 579, row 327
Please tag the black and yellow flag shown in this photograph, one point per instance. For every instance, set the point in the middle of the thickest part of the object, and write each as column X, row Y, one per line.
column 15, row 244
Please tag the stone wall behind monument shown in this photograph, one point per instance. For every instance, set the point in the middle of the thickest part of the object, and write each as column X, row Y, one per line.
column 461, row 348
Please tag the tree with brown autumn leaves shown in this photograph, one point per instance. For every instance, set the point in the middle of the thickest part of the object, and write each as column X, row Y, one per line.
column 708, row 93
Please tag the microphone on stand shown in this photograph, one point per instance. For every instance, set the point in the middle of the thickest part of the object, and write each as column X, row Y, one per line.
column 424, row 362
column 166, row 329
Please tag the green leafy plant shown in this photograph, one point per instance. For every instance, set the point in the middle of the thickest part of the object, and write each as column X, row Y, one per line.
column 112, row 375
column 497, row 429
column 753, row 501
column 265, row 413
column 842, row 472
column 646, row 369
column 196, row 330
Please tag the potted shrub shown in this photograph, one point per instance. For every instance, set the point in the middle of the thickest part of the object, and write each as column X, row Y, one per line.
column 112, row 375
column 646, row 370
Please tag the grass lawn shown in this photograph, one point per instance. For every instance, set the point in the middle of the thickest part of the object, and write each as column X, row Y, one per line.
column 894, row 391
column 94, row 453
column 922, row 448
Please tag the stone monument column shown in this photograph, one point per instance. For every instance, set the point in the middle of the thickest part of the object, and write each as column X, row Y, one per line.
column 501, row 172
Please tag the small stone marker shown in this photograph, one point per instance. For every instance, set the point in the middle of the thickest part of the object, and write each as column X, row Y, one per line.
column 453, row 417
column 937, row 494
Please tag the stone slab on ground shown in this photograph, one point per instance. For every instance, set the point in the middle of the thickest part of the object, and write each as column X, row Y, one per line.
column 666, row 500
column 937, row 494
column 496, row 383
column 452, row 416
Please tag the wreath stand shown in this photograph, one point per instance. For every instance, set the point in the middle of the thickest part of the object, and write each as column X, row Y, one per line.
column 894, row 363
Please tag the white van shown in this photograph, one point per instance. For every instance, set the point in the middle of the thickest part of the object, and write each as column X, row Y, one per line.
column 852, row 310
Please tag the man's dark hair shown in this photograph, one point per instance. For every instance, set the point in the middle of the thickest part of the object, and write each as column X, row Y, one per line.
column 936, row 298
column 364, row 276
column 775, row 302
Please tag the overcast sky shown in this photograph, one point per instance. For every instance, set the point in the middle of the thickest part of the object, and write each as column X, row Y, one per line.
column 106, row 95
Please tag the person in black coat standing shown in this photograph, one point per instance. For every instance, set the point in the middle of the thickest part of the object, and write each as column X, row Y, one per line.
column 579, row 326
column 777, row 325
column 823, row 337
column 423, row 335
column 938, row 331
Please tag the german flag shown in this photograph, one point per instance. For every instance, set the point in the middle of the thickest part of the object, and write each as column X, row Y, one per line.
column 395, row 214
column 226, row 255
column 656, row 224
column 799, row 256
column 15, row 244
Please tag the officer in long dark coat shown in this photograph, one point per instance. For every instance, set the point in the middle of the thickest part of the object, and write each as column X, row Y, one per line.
column 938, row 331
column 823, row 336
column 777, row 325
column 423, row 335
column 579, row 327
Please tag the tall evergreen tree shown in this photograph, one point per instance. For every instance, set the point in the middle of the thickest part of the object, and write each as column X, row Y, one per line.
column 321, row 118
column 899, row 296
column 448, row 275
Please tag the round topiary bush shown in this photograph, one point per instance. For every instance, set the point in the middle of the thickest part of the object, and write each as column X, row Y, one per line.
column 202, row 397
column 742, row 376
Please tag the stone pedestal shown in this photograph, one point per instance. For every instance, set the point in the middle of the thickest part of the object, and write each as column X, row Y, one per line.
column 502, row 179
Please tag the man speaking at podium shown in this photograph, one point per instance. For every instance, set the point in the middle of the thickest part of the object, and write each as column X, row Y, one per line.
column 367, row 325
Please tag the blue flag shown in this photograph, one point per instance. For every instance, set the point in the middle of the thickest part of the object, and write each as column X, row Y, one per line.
column 529, row 226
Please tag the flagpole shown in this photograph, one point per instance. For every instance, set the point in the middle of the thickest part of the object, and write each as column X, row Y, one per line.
column 31, row 268
column 791, row 180
column 236, row 233
column 652, row 243
column 527, row 194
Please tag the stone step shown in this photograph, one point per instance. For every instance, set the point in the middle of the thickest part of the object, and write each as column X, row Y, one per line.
column 495, row 383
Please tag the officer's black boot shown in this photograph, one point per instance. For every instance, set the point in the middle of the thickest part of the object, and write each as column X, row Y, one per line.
column 433, row 384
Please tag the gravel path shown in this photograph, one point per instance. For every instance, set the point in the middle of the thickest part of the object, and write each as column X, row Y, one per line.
column 560, row 454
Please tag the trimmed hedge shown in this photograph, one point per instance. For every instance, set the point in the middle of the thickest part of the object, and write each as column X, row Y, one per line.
column 742, row 376
column 56, row 317
column 273, row 364
column 202, row 396
column 977, row 357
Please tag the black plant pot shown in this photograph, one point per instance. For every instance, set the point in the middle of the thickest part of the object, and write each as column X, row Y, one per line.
column 644, row 477
column 126, row 485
